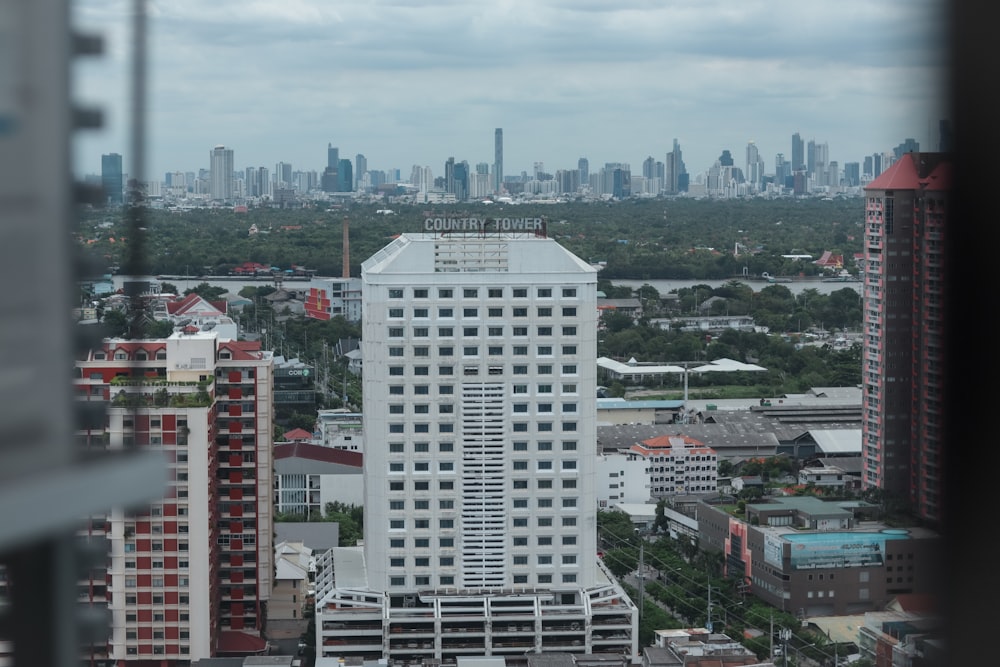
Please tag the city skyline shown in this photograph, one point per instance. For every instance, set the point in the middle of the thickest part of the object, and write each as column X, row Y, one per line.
column 407, row 86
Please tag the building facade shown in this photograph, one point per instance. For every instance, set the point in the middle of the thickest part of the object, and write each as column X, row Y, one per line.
column 190, row 575
column 479, row 349
column 816, row 558
column 902, row 429
column 221, row 173
column 112, row 179
column 677, row 465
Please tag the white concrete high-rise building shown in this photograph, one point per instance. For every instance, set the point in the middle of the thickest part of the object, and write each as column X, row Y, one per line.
column 479, row 352
column 221, row 172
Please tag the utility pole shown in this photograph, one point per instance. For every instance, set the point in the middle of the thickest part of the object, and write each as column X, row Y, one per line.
column 642, row 575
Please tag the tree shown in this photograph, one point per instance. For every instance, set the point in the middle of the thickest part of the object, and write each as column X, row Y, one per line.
column 206, row 291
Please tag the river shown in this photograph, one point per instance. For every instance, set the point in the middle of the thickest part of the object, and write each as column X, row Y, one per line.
column 235, row 283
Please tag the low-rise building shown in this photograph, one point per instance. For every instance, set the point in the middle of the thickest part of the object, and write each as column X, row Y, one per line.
column 820, row 558
column 677, row 464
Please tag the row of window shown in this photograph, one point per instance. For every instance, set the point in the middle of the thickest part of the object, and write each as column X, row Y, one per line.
column 516, row 369
column 449, row 408
column 472, row 312
column 449, row 524
column 474, row 292
column 405, row 543
column 449, row 484
column 447, row 427
column 400, row 562
column 492, row 331
column 398, row 351
column 399, row 581
column 541, row 389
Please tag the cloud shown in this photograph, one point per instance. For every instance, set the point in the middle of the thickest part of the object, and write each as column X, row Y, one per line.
column 414, row 83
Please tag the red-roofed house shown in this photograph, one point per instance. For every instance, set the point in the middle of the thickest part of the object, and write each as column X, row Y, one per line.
column 298, row 435
column 830, row 261
column 678, row 465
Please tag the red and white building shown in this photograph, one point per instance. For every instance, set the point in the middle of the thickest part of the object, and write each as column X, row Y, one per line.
column 677, row 465
column 189, row 576
column 906, row 212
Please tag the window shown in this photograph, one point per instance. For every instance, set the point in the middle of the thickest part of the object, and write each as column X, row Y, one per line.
column 446, row 370
column 520, row 503
column 446, row 542
column 396, row 466
column 420, row 293
column 470, row 351
column 395, row 390
column 569, row 369
column 569, row 503
column 495, row 293
column 470, row 332
column 421, row 313
column 396, row 409
column 545, row 578
column 520, row 312
column 520, row 331
column 545, row 465
column 544, row 311
column 397, row 562
column 446, row 389
column 520, row 293
column 544, row 503
column 397, row 524
column 470, row 292
column 446, row 446
column 545, row 446
column 495, row 312
column 520, row 370
column 446, row 485
column 545, row 350
column 520, row 389
column 395, row 428
column 569, row 427
column 421, row 389
column 569, row 559
column 422, row 466
column 396, row 486
column 421, row 524
column 421, row 332
column 569, row 311
column 445, row 313
column 545, row 559
column 397, row 543
column 520, row 350
column 422, row 562
column 569, row 331
column 470, row 312
column 569, row 349
column 545, row 369
column 395, row 294
column 521, row 522
column 544, row 292
column 521, row 483
column 445, row 293
column 395, row 370
column 395, row 312
column 495, row 331
column 422, row 543
column 421, row 370
column 569, row 540
column 495, row 350
column 569, row 484
column 544, row 427
column 446, row 332
column 396, row 447
column 520, row 465
column 569, row 292
column 544, row 407
column 520, row 560
column 520, row 541
column 568, row 521
column 545, row 388
column 446, row 523
column 421, row 351
column 446, row 466
column 544, row 331
column 520, row 407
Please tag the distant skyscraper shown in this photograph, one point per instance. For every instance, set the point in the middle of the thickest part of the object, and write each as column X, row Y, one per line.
column 908, row 146
column 902, row 369
column 798, row 153
column 726, row 159
column 360, row 169
column 332, row 156
column 583, row 166
column 345, row 180
column 112, row 179
column 782, row 169
column 649, row 167
column 498, row 160
column 461, row 180
column 674, row 173
column 852, row 174
column 755, row 166
column 811, row 157
column 449, row 175
column 283, row 174
column 221, row 173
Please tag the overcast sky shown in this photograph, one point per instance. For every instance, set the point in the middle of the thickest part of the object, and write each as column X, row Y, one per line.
column 409, row 82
